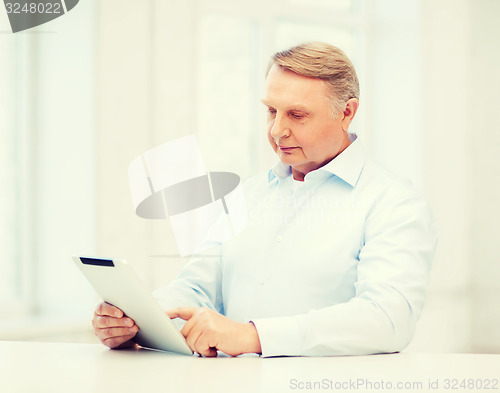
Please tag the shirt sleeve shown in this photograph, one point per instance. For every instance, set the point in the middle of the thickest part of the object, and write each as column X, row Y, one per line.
column 393, row 270
column 197, row 285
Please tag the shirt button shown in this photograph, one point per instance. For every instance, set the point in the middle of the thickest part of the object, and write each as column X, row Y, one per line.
column 262, row 282
column 279, row 238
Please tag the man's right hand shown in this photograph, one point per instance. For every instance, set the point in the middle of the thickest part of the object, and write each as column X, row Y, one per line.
column 112, row 327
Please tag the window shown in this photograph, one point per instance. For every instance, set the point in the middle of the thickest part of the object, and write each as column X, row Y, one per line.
column 47, row 157
column 14, row 176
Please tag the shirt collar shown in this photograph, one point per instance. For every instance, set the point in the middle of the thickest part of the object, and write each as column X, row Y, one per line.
column 347, row 165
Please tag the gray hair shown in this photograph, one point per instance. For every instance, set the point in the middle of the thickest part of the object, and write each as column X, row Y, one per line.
column 326, row 62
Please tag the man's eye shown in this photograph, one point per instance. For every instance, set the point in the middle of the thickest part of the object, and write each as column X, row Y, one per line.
column 271, row 111
column 297, row 116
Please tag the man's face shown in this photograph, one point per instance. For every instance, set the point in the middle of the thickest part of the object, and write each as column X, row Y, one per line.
column 300, row 124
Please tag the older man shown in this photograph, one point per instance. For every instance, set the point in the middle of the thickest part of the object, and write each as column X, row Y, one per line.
column 337, row 252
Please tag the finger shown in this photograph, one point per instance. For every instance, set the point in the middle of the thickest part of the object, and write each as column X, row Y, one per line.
column 107, row 309
column 181, row 312
column 194, row 320
column 128, row 344
column 104, row 334
column 188, row 326
column 205, row 347
column 114, row 342
column 209, row 353
column 100, row 322
column 192, row 337
column 212, row 353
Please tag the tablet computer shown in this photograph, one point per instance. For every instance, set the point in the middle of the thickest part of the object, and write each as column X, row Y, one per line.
column 116, row 282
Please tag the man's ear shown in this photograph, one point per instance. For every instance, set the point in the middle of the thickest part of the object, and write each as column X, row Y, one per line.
column 349, row 112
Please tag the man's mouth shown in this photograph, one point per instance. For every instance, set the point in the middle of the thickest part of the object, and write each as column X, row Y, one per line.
column 287, row 148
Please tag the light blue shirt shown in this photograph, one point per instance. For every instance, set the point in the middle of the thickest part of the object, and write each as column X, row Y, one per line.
column 335, row 265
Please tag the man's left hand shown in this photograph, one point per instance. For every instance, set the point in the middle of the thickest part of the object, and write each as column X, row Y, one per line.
column 207, row 331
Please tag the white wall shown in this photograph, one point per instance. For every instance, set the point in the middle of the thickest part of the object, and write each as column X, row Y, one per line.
column 460, row 63
column 483, row 191
column 391, row 96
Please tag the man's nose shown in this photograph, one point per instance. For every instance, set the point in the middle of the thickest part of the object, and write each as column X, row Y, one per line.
column 280, row 128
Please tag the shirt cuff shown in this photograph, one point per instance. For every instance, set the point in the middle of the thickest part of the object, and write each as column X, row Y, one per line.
column 278, row 336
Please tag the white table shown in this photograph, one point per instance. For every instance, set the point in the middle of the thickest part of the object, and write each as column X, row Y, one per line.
column 54, row 367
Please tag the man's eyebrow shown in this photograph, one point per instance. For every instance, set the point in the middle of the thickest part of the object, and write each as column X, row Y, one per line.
column 296, row 107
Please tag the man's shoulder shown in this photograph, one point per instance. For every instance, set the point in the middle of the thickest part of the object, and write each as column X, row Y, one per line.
column 393, row 200
column 384, row 184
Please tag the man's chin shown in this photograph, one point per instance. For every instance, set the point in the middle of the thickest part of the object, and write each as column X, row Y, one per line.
column 287, row 159
column 284, row 160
